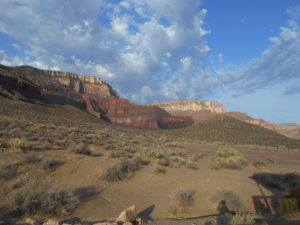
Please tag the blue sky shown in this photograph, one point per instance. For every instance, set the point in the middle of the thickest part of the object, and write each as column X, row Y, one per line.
column 244, row 54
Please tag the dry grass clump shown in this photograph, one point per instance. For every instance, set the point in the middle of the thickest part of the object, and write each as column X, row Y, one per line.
column 3, row 144
column 8, row 172
column 49, row 164
column 182, row 200
column 155, row 153
column 56, row 203
column 192, row 165
column 18, row 144
column 229, row 159
column 159, row 170
column 227, row 201
column 81, row 148
column 163, row 162
column 195, row 157
column 31, row 158
column 121, row 169
column 258, row 164
column 244, row 219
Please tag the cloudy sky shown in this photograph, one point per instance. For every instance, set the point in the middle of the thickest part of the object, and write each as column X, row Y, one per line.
column 242, row 53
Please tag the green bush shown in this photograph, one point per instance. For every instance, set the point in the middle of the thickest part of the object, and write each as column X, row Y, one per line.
column 230, row 159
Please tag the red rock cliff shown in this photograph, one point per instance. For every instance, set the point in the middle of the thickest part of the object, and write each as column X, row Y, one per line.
column 96, row 97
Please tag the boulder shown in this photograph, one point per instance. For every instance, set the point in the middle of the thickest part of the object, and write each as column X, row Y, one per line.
column 128, row 215
column 51, row 222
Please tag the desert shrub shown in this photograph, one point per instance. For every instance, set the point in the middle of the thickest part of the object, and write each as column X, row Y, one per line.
column 31, row 158
column 121, row 170
column 19, row 183
column 57, row 203
column 65, row 142
column 192, row 165
column 230, row 159
column 195, row 157
column 137, row 159
column 155, row 153
column 81, row 148
column 163, row 162
column 227, row 200
column 182, row 201
column 114, row 155
column 49, row 164
column 258, row 164
column 243, row 219
column 18, row 144
column 8, row 172
column 159, row 170
column 3, row 144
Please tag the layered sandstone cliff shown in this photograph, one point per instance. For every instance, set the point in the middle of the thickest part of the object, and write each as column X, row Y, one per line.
column 96, row 97
column 64, row 82
column 203, row 110
column 189, row 106
column 122, row 111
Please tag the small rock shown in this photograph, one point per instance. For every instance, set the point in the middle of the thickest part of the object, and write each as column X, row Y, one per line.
column 138, row 220
column 128, row 215
column 127, row 223
column 30, row 221
column 51, row 222
column 107, row 223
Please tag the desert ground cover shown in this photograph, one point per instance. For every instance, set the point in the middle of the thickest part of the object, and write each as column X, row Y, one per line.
column 58, row 167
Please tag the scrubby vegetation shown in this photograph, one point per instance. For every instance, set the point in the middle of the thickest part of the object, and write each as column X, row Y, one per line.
column 155, row 153
column 56, row 203
column 230, row 159
column 227, row 201
column 121, row 169
column 50, row 164
column 8, row 172
column 81, row 148
column 159, row 170
column 181, row 202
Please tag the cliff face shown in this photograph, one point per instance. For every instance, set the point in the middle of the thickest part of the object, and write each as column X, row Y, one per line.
column 95, row 96
column 198, row 110
column 64, row 82
column 189, row 106
column 203, row 110
column 122, row 111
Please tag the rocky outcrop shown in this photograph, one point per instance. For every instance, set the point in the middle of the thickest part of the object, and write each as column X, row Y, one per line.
column 178, row 107
column 63, row 82
column 96, row 97
column 123, row 112
column 18, row 88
